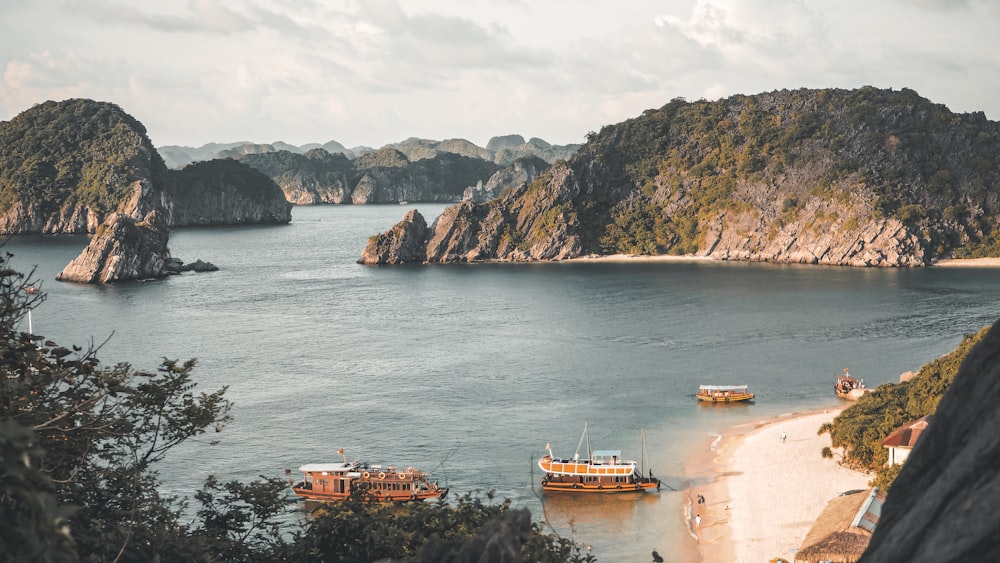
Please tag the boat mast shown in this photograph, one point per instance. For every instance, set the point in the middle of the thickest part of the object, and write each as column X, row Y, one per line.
column 580, row 443
column 642, row 460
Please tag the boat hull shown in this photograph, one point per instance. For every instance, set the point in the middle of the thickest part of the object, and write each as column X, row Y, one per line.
column 729, row 399
column 553, row 486
column 394, row 496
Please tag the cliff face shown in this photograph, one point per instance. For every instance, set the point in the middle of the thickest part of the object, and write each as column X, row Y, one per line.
column 940, row 508
column 123, row 249
column 383, row 176
column 521, row 171
column 66, row 166
column 861, row 178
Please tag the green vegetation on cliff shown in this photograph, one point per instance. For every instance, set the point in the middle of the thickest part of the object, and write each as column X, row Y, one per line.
column 860, row 428
column 656, row 181
column 76, row 151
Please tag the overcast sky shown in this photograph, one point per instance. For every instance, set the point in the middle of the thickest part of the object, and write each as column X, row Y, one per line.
column 372, row 72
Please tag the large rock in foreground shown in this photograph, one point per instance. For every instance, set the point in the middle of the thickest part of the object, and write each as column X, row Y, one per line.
column 942, row 505
column 123, row 249
column 404, row 243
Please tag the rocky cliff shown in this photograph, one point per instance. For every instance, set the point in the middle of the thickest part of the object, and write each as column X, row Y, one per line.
column 383, row 176
column 843, row 177
column 66, row 166
column 122, row 249
column 399, row 245
column 521, row 171
column 940, row 507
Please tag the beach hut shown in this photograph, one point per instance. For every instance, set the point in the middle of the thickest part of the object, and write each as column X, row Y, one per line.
column 843, row 530
column 902, row 439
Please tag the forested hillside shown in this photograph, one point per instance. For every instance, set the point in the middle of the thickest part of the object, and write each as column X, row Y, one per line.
column 59, row 158
column 862, row 177
column 65, row 166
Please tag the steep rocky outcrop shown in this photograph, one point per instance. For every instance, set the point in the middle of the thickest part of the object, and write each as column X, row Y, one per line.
column 400, row 245
column 861, row 177
column 521, row 171
column 940, row 507
column 123, row 249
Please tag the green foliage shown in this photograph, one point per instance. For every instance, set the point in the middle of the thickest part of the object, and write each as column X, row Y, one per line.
column 77, row 150
column 382, row 158
column 357, row 529
column 640, row 229
column 860, row 429
column 916, row 158
column 209, row 180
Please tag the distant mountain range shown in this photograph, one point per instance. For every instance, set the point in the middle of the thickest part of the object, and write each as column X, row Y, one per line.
column 501, row 150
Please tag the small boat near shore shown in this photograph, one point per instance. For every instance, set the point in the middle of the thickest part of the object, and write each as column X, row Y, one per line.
column 603, row 471
column 336, row 481
column 849, row 387
column 725, row 393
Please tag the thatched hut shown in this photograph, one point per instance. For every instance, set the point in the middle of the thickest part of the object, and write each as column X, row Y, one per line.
column 842, row 532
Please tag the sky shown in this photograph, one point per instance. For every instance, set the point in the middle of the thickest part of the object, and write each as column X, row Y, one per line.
column 373, row 72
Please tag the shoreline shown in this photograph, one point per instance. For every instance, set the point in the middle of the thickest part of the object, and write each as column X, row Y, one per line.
column 691, row 258
column 762, row 494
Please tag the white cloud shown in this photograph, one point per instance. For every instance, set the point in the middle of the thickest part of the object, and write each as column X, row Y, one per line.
column 364, row 72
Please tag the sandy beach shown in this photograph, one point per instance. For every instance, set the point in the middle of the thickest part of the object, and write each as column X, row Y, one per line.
column 968, row 263
column 640, row 258
column 762, row 493
column 948, row 263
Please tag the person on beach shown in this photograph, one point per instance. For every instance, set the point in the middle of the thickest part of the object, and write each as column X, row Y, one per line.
column 783, row 437
column 697, row 520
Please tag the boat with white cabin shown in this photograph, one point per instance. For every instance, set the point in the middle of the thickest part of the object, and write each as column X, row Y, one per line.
column 602, row 471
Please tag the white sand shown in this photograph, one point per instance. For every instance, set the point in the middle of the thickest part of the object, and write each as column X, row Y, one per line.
column 640, row 258
column 768, row 493
column 968, row 263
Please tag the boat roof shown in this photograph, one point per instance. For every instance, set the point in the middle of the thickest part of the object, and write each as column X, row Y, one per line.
column 328, row 467
column 721, row 387
column 607, row 454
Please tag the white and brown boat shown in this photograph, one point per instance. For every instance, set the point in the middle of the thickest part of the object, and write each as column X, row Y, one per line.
column 603, row 471
column 336, row 481
column 724, row 393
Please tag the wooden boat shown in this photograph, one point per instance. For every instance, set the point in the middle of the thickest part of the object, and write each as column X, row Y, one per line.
column 336, row 481
column 849, row 387
column 724, row 393
column 604, row 471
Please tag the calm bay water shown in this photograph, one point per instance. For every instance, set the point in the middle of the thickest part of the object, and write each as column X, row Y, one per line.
column 467, row 371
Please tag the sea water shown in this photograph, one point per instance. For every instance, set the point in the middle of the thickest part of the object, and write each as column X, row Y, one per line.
column 467, row 371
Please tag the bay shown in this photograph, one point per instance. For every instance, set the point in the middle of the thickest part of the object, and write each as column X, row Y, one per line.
column 467, row 371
